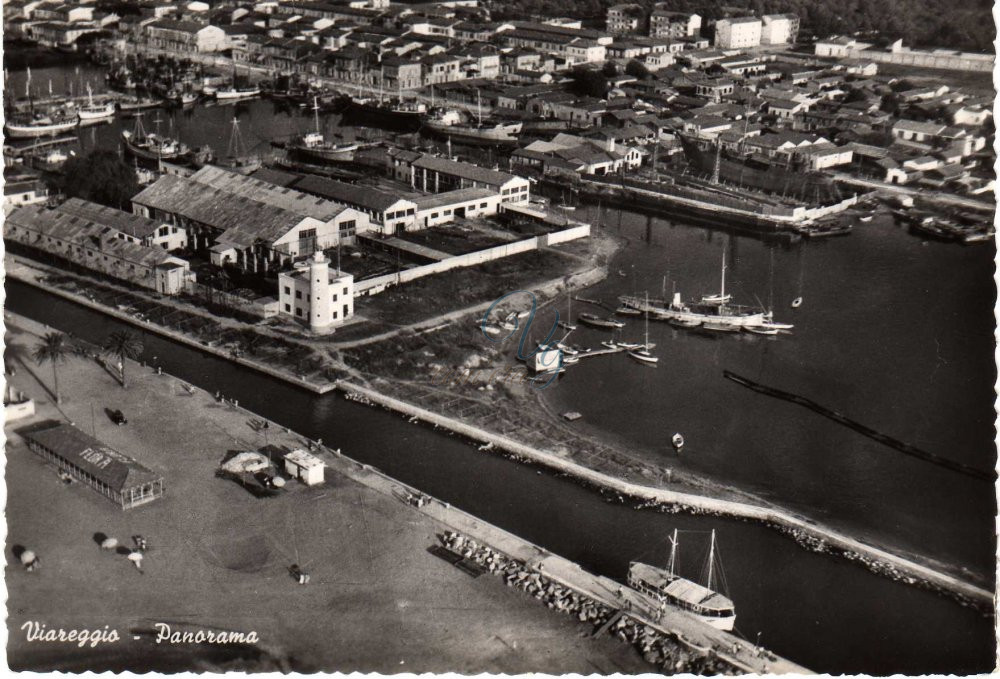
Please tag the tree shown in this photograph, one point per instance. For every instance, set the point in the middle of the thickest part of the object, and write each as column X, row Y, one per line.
column 588, row 83
column 102, row 177
column 609, row 69
column 55, row 349
column 123, row 345
column 637, row 69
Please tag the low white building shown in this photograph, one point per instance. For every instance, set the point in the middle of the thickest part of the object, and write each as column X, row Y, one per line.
column 305, row 467
column 315, row 296
column 441, row 208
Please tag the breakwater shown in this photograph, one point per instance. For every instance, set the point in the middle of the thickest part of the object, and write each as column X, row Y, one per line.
column 808, row 534
column 901, row 446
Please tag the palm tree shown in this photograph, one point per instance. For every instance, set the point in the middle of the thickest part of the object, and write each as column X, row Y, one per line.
column 55, row 348
column 123, row 345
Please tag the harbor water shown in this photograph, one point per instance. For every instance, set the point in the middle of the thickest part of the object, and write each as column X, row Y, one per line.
column 825, row 613
column 892, row 332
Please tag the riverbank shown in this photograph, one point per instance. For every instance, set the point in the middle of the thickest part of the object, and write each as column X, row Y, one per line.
column 221, row 556
column 622, row 474
column 218, row 555
column 806, row 532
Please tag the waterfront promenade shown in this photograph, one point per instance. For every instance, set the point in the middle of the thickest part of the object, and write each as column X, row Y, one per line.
column 377, row 601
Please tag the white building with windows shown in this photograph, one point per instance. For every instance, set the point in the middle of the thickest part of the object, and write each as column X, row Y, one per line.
column 737, row 33
column 316, row 296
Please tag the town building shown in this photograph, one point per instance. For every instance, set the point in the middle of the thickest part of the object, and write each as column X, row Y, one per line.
column 433, row 174
column 116, row 476
column 316, row 296
column 624, row 18
column 97, row 246
column 737, row 33
column 130, row 227
column 23, row 191
column 185, row 36
column 667, row 24
column 248, row 222
column 779, row 29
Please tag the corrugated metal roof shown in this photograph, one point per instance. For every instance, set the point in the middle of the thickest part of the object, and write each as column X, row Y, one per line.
column 463, row 170
column 117, row 470
column 126, row 222
column 252, row 219
column 366, row 197
column 266, row 192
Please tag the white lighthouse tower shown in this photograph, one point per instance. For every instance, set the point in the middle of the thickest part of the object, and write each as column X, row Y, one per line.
column 319, row 293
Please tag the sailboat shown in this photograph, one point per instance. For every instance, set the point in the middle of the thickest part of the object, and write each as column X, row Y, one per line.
column 569, row 314
column 151, row 146
column 237, row 158
column 36, row 124
column 664, row 586
column 92, row 111
column 722, row 297
column 642, row 354
column 314, row 146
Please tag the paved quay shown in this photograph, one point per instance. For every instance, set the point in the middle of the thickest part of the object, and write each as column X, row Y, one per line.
column 218, row 558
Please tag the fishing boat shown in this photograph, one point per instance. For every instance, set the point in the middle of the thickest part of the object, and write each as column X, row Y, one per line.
column 627, row 311
column 231, row 92
column 43, row 125
column 130, row 104
column 566, row 349
column 797, row 302
column 598, row 322
column 151, row 146
column 609, row 344
column 717, row 316
column 684, row 322
column 452, row 123
column 665, row 587
column 313, row 146
column 394, row 114
column 98, row 111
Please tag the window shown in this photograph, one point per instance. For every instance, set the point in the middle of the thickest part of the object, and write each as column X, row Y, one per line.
column 306, row 234
column 345, row 311
column 348, row 228
column 298, row 311
column 298, row 294
column 434, row 215
column 482, row 206
column 288, row 308
column 288, row 290
column 345, row 292
column 334, row 314
column 334, row 297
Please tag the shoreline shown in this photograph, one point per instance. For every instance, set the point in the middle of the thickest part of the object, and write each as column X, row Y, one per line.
column 700, row 642
column 808, row 534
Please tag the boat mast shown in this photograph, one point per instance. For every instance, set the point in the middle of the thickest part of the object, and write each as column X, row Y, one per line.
column 711, row 560
column 722, row 294
column 479, row 109
column 646, row 346
column 673, row 552
column 316, row 112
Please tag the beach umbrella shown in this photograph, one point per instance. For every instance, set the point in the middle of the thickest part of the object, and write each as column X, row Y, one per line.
column 109, row 543
column 27, row 556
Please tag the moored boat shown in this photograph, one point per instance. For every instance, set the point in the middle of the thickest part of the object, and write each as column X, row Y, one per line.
column 665, row 587
column 598, row 322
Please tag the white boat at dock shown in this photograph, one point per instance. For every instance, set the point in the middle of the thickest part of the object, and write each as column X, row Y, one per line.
column 641, row 353
column 232, row 92
column 41, row 126
column 665, row 587
column 95, row 111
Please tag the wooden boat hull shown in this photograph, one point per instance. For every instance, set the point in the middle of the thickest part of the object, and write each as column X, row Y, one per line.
column 16, row 131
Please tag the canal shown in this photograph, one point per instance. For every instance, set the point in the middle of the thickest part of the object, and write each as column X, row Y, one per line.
column 824, row 613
